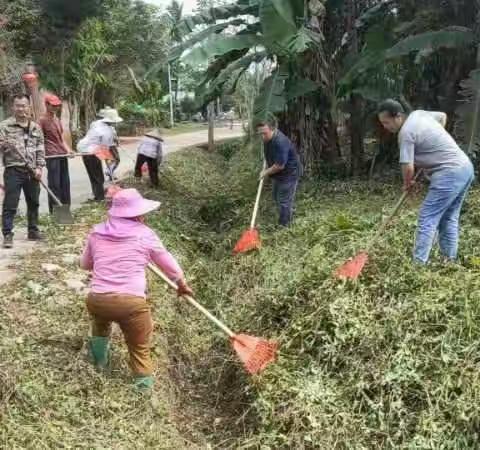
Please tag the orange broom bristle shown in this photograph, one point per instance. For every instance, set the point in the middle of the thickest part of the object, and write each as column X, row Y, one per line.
column 250, row 240
column 255, row 353
column 103, row 153
column 352, row 268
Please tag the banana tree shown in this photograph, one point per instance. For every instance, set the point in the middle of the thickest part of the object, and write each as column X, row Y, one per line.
column 230, row 40
column 400, row 57
column 469, row 108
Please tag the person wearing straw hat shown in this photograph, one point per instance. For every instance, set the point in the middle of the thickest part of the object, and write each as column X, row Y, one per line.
column 112, row 165
column 150, row 151
column 118, row 252
column 57, row 149
column 100, row 134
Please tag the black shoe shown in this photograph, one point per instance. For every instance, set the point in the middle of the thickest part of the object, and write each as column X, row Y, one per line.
column 8, row 240
column 35, row 236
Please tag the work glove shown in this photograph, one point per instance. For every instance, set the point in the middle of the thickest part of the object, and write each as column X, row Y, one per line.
column 183, row 288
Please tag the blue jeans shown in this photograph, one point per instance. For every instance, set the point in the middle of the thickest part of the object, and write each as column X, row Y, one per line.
column 440, row 212
column 284, row 196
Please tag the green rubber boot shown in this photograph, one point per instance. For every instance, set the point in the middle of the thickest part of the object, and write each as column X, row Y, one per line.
column 143, row 383
column 99, row 349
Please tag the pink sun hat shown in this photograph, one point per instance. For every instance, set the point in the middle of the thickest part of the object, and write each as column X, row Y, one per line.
column 129, row 203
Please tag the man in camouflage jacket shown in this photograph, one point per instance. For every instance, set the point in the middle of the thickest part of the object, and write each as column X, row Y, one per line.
column 23, row 154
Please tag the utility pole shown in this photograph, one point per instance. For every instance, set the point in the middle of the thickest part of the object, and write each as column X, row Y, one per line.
column 172, row 120
column 211, row 126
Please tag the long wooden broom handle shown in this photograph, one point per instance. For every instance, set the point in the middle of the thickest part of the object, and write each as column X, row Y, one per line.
column 70, row 155
column 396, row 208
column 257, row 200
column 257, row 204
column 54, row 197
column 193, row 302
column 50, row 193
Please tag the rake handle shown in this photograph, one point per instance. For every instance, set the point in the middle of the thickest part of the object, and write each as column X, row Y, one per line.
column 396, row 208
column 257, row 200
column 193, row 302
column 70, row 155
column 54, row 197
column 257, row 204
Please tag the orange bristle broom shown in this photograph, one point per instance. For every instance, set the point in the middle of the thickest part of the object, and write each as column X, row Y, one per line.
column 255, row 353
column 103, row 153
column 353, row 268
column 250, row 239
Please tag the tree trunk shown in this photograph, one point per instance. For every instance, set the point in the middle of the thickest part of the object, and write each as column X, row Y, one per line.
column 357, row 134
column 74, row 120
column 211, row 126
column 311, row 128
column 356, row 127
column 309, row 121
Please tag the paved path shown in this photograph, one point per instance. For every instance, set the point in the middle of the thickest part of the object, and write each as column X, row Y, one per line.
column 81, row 191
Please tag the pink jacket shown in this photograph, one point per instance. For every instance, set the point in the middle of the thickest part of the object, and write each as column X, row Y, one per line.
column 118, row 252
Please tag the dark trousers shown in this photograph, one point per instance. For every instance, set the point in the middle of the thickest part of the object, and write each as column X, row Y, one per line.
column 16, row 180
column 58, row 181
column 95, row 174
column 284, row 197
column 152, row 168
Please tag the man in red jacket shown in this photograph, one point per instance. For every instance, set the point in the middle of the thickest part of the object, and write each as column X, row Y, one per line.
column 56, row 151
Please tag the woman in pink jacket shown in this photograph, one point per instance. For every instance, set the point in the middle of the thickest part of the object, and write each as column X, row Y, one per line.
column 118, row 252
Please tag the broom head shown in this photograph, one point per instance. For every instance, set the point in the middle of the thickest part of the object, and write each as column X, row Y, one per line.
column 103, row 153
column 255, row 353
column 352, row 268
column 250, row 240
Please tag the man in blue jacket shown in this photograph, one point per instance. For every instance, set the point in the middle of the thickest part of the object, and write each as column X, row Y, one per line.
column 283, row 167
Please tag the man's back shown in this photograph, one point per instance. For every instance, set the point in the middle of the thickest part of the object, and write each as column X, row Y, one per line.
column 150, row 147
column 99, row 133
column 280, row 150
column 434, row 148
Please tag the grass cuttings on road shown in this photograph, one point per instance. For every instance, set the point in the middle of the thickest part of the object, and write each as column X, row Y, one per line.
column 388, row 362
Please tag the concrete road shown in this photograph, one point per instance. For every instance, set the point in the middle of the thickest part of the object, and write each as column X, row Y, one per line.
column 80, row 184
column 81, row 191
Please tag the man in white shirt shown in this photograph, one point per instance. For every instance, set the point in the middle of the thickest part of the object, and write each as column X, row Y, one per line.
column 425, row 143
column 100, row 135
column 150, row 152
